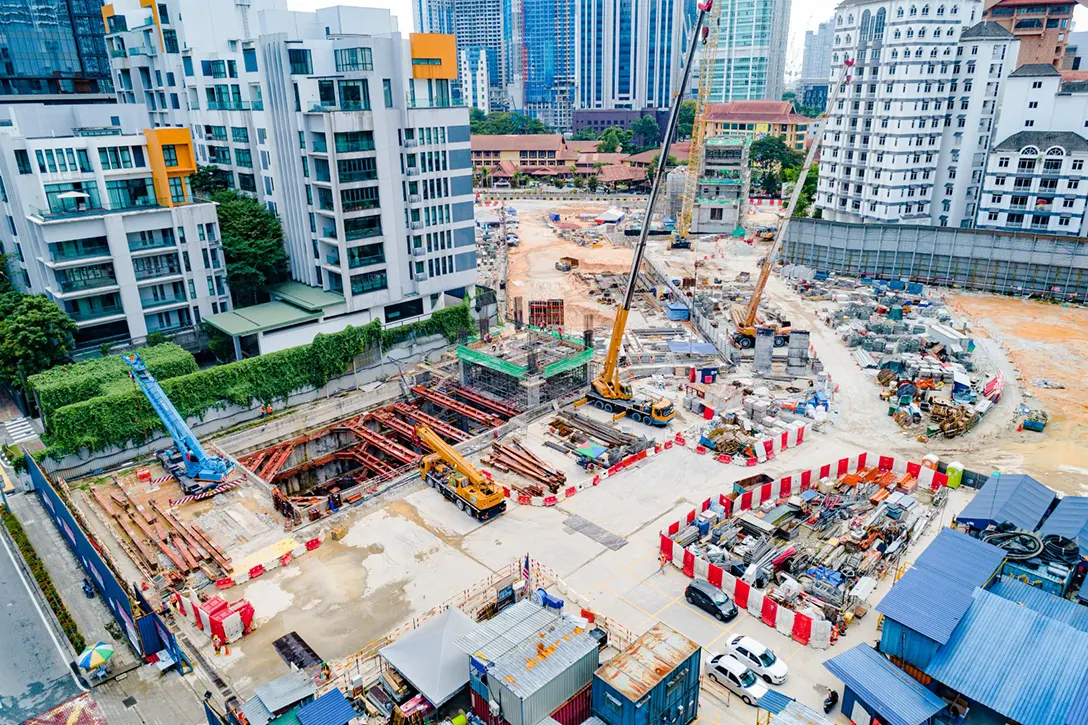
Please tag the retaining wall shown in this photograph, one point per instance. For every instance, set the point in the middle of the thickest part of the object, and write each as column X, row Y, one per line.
column 979, row 259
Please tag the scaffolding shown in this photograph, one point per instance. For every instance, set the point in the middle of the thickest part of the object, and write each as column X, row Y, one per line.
column 528, row 369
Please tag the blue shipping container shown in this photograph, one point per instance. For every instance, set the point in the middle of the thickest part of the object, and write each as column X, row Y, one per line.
column 654, row 680
column 677, row 311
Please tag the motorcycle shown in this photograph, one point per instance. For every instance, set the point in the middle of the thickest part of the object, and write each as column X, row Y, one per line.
column 830, row 701
column 88, row 590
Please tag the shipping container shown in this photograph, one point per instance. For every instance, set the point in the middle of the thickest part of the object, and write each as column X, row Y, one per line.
column 576, row 710
column 654, row 680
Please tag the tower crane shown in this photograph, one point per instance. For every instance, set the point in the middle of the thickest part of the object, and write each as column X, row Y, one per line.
column 745, row 317
column 457, row 479
column 198, row 465
column 608, row 391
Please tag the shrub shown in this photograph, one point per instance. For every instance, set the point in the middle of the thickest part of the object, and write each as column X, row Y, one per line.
column 155, row 338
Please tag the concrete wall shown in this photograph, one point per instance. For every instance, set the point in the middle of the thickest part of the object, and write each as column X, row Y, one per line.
column 318, row 414
column 978, row 259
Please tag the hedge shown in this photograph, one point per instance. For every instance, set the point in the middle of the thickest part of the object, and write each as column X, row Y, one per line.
column 126, row 417
column 45, row 583
column 68, row 384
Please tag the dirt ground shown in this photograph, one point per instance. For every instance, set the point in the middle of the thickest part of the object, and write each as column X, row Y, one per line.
column 1044, row 342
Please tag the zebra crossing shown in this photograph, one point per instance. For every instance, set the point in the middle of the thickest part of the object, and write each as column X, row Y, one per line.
column 20, row 430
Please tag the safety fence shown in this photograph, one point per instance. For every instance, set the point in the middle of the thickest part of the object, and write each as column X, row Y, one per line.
column 800, row 627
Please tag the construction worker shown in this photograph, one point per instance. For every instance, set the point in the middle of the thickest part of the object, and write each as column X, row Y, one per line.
column 662, row 560
column 218, row 644
column 326, row 672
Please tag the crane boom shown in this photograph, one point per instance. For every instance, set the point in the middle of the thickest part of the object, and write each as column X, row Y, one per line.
column 450, row 455
column 608, row 384
column 749, row 318
column 198, row 464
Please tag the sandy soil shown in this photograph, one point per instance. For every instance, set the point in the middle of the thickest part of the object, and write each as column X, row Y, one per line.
column 1044, row 341
column 532, row 273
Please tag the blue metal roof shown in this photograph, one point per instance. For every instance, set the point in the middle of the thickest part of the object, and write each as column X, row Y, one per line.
column 1069, row 519
column 773, row 702
column 1013, row 660
column 1045, row 603
column 898, row 698
column 1078, row 709
column 332, row 708
column 961, row 557
column 928, row 602
column 1016, row 498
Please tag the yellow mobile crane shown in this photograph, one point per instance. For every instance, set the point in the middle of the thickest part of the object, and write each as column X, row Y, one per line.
column 608, row 392
column 680, row 238
column 450, row 474
column 745, row 317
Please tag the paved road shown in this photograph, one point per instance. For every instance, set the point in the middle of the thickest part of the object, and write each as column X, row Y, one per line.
column 33, row 675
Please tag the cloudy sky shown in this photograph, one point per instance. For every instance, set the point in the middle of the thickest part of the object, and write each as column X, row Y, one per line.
column 806, row 15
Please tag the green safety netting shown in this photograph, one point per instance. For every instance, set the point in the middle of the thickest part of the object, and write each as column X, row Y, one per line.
column 469, row 355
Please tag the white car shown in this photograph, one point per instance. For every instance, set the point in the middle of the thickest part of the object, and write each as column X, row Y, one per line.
column 734, row 675
column 758, row 659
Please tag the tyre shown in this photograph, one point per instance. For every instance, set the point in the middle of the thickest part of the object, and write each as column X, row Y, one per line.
column 767, row 679
column 691, row 599
column 746, row 342
column 636, row 417
column 780, row 342
column 719, row 616
column 747, row 700
column 598, row 405
column 714, row 678
column 608, row 407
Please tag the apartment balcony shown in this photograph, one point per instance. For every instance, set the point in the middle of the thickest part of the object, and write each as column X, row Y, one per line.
column 414, row 198
column 230, row 106
column 175, row 300
column 96, row 315
column 412, row 171
column 142, row 247
column 1040, row 227
column 146, row 274
column 354, row 148
column 348, row 177
column 436, row 103
column 410, row 143
column 118, row 53
column 368, row 261
column 353, row 235
column 60, row 257
column 360, row 205
column 71, row 288
column 415, row 226
column 419, row 252
column 421, row 276
column 333, row 260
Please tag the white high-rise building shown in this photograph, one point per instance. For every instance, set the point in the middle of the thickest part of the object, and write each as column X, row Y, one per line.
column 101, row 220
column 346, row 128
column 907, row 138
column 816, row 62
column 750, row 60
column 1036, row 178
column 475, row 77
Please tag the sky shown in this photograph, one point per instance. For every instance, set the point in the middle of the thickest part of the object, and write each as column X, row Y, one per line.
column 805, row 15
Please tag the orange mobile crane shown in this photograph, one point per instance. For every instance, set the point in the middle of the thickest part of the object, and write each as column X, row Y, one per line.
column 454, row 477
column 745, row 317
column 608, row 391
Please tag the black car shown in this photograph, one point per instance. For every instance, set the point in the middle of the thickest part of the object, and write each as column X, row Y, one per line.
column 711, row 599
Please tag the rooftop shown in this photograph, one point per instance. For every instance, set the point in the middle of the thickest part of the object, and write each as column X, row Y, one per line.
column 1035, row 70
column 897, row 697
column 1043, row 140
column 517, row 142
column 311, row 299
column 259, row 318
column 911, row 603
column 985, row 29
column 1015, row 498
column 1069, row 519
column 1045, row 603
column 650, row 659
column 755, row 112
column 542, row 657
column 500, row 634
column 961, row 558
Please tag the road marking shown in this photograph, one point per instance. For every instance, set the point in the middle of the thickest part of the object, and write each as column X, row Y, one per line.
column 38, row 608
column 791, row 654
column 20, row 430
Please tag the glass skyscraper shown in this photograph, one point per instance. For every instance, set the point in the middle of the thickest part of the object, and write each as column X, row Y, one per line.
column 750, row 61
column 52, row 47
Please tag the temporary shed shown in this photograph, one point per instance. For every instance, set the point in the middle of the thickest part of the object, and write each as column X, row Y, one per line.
column 506, row 630
column 654, row 680
column 610, row 217
column 1017, row 498
column 274, row 698
column 961, row 557
column 1069, row 519
column 428, row 658
column 881, row 689
column 546, row 670
column 920, row 613
column 1043, row 602
column 1010, row 658
column 332, row 708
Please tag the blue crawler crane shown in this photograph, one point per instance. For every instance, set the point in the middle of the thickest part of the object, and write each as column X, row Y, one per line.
column 198, row 465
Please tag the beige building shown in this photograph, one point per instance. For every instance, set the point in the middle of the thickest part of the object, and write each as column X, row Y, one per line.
column 1042, row 27
column 488, row 151
column 755, row 118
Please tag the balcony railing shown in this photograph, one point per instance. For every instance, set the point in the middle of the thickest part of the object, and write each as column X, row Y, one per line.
column 147, row 304
column 329, row 232
column 412, row 171
column 360, row 205
column 347, row 177
column 118, row 53
column 78, row 285
column 414, row 198
column 159, row 243
column 353, row 234
column 1040, row 227
column 437, row 103
column 229, row 105
column 59, row 255
column 256, row 105
column 353, row 147
column 356, row 262
column 418, row 251
column 410, row 143
column 321, row 147
column 92, row 314
column 415, row 226
column 166, row 270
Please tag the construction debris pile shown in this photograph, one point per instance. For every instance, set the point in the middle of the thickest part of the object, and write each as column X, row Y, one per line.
column 821, row 552
column 921, row 357
column 594, row 445
column 765, row 411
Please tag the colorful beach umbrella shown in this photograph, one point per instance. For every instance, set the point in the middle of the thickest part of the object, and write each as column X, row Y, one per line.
column 95, row 655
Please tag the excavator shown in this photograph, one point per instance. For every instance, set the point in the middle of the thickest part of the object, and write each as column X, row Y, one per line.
column 745, row 318
column 608, row 392
column 450, row 474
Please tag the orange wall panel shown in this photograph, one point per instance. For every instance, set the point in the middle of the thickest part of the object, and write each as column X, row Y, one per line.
column 431, row 47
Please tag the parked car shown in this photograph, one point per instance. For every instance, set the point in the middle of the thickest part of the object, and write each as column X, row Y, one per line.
column 711, row 599
column 733, row 675
column 758, row 659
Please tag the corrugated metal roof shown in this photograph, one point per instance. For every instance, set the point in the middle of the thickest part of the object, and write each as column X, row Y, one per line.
column 1045, row 603
column 506, row 630
column 797, row 713
column 649, row 659
column 1069, row 519
column 1078, row 709
column 961, row 557
column 928, row 602
column 542, row 657
column 896, row 696
column 332, row 708
column 773, row 702
column 1016, row 498
column 256, row 713
column 286, row 690
column 1013, row 660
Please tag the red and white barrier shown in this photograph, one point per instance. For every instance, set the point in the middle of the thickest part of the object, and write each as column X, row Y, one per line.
column 800, row 627
column 274, row 563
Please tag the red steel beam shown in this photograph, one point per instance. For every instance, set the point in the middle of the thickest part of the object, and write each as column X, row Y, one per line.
column 402, row 428
column 383, row 443
column 451, row 433
column 445, row 401
column 369, row 460
column 482, row 401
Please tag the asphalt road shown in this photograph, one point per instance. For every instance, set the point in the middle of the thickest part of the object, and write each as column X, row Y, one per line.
column 34, row 676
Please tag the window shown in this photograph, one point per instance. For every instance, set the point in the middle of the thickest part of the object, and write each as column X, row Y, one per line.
column 326, row 93
column 239, row 134
column 1029, row 123
column 1003, row 162
column 1033, row 104
column 177, row 189
column 22, row 160
column 387, row 90
column 170, row 155
column 1078, row 165
column 243, row 157
column 129, row 193
column 299, row 58
column 187, row 64
column 1036, row 84
column 354, row 95
column 249, row 60
column 354, row 59
column 247, row 182
column 215, row 133
column 213, row 68
column 170, row 40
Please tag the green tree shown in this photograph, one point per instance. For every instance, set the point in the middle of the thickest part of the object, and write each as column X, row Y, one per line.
column 646, row 131
column 253, row 246
column 35, row 335
column 585, row 134
column 613, row 140
column 686, row 122
column 593, row 182
column 206, row 180
column 6, row 284
column 505, row 123
column 772, row 151
column 670, row 162
column 770, row 184
column 155, row 338
column 808, row 191
column 475, row 118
